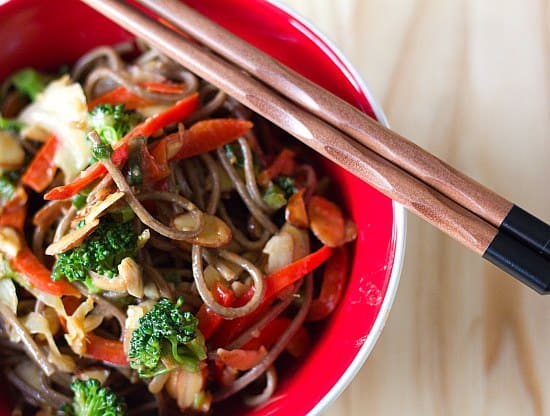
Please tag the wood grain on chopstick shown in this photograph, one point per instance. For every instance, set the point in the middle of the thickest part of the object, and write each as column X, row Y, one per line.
column 426, row 202
column 390, row 179
column 468, row 193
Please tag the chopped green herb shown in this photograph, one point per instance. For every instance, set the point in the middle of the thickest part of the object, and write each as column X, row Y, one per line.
column 79, row 201
column 286, row 183
column 101, row 151
column 234, row 155
column 30, row 82
column 11, row 125
column 7, row 188
column 274, row 196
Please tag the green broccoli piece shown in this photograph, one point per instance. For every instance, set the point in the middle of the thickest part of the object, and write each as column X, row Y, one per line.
column 90, row 399
column 112, row 122
column 30, row 82
column 101, row 252
column 165, row 339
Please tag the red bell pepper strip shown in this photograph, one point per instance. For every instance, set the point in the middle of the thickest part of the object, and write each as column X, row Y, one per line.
column 120, row 95
column 87, row 177
column 275, row 283
column 274, row 330
column 42, row 168
column 269, row 334
column 153, row 171
column 177, row 112
column 332, row 288
column 284, row 277
column 284, row 163
column 299, row 343
column 163, row 87
column 38, row 276
column 104, row 349
column 131, row 101
column 208, row 320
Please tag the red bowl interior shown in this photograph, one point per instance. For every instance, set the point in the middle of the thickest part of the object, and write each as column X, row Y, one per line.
column 47, row 34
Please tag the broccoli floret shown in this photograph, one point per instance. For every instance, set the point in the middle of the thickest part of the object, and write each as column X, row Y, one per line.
column 100, row 252
column 112, row 122
column 90, row 399
column 166, row 338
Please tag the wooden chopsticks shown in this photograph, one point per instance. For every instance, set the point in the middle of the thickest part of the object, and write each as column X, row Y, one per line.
column 473, row 215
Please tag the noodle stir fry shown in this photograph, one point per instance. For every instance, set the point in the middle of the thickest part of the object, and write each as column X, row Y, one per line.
column 160, row 245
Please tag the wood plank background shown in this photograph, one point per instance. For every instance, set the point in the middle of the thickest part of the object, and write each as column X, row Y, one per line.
column 469, row 80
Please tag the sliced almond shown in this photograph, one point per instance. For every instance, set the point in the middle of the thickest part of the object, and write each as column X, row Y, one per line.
column 12, row 155
column 300, row 237
column 98, row 208
column 183, row 386
column 295, row 211
column 130, row 271
column 215, row 233
column 10, row 241
column 73, row 238
column 129, row 279
column 326, row 221
column 280, row 251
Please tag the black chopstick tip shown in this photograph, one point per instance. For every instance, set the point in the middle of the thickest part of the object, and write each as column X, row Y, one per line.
column 520, row 261
column 526, row 227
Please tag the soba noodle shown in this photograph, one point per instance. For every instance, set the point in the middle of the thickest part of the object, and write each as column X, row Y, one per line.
column 230, row 232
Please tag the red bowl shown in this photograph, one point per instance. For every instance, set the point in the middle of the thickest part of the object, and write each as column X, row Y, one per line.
column 46, row 34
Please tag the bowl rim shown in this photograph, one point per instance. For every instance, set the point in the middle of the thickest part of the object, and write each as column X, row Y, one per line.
column 400, row 227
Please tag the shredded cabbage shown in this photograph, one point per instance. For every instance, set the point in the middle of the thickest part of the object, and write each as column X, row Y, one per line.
column 61, row 110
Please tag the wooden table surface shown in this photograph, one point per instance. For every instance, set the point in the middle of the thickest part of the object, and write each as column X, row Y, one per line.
column 469, row 80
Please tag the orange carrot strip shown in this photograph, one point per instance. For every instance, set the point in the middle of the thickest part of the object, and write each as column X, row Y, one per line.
column 104, row 349
column 38, row 276
column 207, row 135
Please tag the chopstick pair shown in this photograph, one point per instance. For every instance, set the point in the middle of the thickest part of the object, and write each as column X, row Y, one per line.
column 495, row 228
